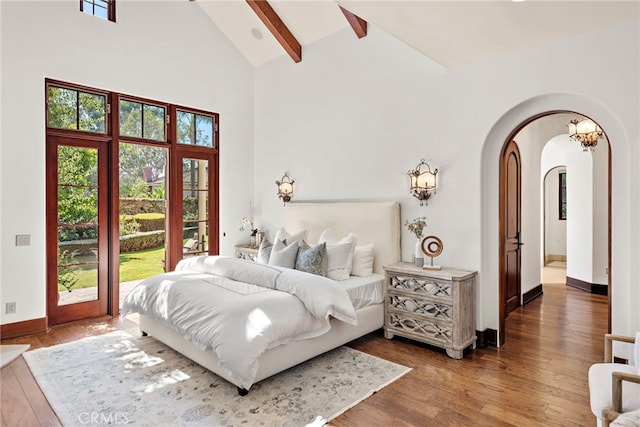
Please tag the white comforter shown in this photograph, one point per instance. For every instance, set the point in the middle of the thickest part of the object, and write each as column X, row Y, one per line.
column 239, row 309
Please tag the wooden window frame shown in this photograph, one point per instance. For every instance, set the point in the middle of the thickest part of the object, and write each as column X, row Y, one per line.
column 111, row 9
column 113, row 138
column 76, row 132
column 562, row 196
column 196, row 113
column 167, row 119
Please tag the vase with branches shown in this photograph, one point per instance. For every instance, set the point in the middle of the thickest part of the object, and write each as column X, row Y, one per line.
column 416, row 226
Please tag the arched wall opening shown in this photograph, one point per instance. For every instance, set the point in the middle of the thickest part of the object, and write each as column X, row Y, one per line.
column 553, row 218
column 505, row 128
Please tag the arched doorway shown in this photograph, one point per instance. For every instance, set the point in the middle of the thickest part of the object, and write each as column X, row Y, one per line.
column 532, row 136
column 505, row 129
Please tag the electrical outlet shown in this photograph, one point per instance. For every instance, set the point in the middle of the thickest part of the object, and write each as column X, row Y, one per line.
column 11, row 308
column 23, row 240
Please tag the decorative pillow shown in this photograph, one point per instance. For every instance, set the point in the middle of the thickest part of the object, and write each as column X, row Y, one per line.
column 339, row 255
column 283, row 255
column 264, row 252
column 301, row 235
column 312, row 259
column 363, row 261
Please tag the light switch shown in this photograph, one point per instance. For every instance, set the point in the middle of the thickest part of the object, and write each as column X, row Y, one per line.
column 23, row 240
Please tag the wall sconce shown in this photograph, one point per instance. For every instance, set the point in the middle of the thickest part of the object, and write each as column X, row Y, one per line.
column 285, row 188
column 586, row 132
column 422, row 182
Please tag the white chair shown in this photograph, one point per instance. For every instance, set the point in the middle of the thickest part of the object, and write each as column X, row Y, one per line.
column 614, row 388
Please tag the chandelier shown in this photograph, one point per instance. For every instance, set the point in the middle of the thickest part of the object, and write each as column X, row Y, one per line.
column 586, row 132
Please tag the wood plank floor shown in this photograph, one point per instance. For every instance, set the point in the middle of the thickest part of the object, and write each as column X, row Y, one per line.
column 539, row 378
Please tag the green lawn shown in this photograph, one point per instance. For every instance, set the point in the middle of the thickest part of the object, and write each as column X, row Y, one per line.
column 133, row 266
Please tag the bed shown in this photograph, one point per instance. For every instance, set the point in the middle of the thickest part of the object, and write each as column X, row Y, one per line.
column 372, row 222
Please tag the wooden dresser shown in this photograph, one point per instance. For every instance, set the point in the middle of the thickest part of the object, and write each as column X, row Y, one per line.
column 431, row 306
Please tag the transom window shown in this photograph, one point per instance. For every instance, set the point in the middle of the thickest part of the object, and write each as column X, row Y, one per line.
column 195, row 129
column 76, row 110
column 105, row 9
column 141, row 120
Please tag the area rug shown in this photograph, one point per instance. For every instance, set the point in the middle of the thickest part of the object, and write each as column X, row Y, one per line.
column 10, row 352
column 118, row 378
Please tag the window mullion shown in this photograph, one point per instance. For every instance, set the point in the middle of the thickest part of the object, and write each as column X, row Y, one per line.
column 77, row 110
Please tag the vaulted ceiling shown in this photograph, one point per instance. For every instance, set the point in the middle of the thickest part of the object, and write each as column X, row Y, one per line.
column 452, row 33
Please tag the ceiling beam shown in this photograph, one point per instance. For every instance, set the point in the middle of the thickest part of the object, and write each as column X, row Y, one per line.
column 270, row 18
column 358, row 24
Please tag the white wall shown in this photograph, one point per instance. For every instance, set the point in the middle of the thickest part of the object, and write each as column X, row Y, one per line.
column 354, row 115
column 553, row 161
column 580, row 195
column 599, row 265
column 555, row 229
column 178, row 56
column 347, row 123
column 587, row 220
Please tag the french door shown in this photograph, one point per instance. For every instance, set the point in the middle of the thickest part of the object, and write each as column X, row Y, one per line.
column 106, row 150
column 194, row 224
column 77, row 229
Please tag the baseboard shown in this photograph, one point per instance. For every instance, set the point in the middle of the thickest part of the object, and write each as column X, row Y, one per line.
column 532, row 294
column 488, row 337
column 551, row 258
column 593, row 288
column 27, row 327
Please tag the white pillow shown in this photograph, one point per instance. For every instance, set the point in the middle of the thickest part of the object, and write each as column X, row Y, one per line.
column 264, row 252
column 283, row 256
column 301, row 235
column 363, row 261
column 339, row 255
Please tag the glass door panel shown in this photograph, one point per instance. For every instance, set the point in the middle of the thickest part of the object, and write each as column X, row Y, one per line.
column 78, row 280
column 77, row 224
column 195, row 207
column 142, row 213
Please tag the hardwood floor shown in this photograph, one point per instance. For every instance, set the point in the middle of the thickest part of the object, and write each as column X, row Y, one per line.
column 538, row 378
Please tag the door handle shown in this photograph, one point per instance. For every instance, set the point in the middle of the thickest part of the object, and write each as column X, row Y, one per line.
column 519, row 243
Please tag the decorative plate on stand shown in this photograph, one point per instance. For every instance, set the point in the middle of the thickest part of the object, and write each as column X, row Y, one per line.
column 431, row 247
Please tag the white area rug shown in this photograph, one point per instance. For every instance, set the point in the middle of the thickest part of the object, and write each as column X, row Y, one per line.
column 121, row 379
column 9, row 353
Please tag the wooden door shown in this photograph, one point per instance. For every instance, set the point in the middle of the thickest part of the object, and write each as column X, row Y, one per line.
column 194, row 221
column 77, row 229
column 510, row 232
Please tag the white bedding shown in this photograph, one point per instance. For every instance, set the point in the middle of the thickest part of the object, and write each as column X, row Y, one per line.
column 364, row 291
column 239, row 309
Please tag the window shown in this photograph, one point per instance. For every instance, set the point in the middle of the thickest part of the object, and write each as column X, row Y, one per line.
column 105, row 9
column 141, row 120
column 73, row 109
column 195, row 129
column 562, row 195
column 105, row 149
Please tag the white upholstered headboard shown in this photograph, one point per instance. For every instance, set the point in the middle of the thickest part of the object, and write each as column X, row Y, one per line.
column 372, row 222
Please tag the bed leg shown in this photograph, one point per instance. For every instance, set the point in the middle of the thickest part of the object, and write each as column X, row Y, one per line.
column 144, row 334
column 243, row 391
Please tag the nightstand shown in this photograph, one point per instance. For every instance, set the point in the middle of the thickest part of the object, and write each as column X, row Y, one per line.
column 431, row 306
column 247, row 252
